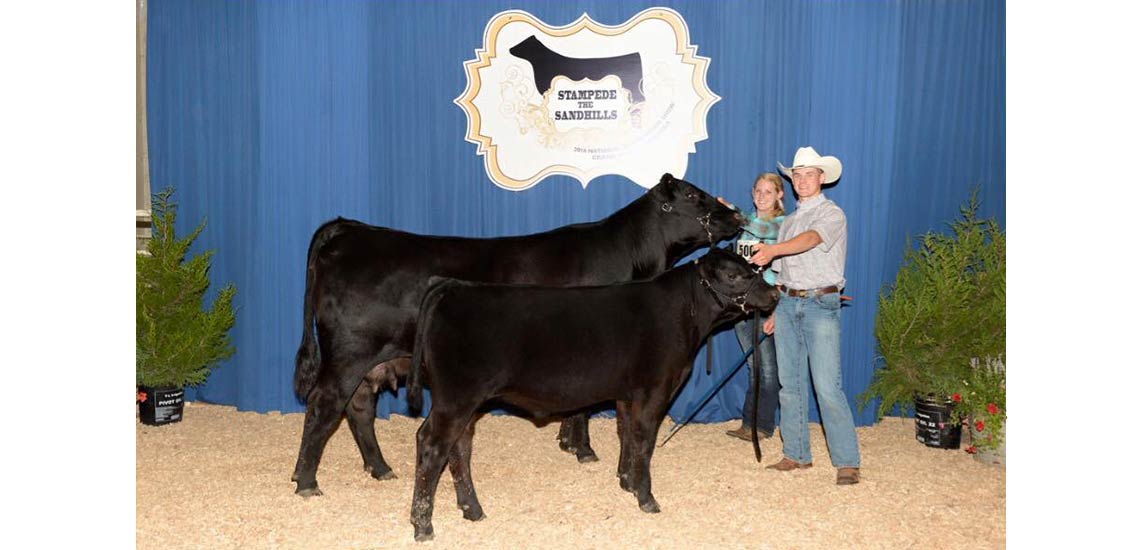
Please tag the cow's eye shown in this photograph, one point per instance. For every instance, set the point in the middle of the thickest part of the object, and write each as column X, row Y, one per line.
column 690, row 195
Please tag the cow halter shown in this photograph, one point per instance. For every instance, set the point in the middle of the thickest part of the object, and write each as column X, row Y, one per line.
column 706, row 220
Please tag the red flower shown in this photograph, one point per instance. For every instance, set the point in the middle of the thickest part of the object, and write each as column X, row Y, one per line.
column 979, row 425
column 971, row 449
column 142, row 397
column 992, row 408
column 957, row 397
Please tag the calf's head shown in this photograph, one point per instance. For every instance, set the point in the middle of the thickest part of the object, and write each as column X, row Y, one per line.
column 737, row 284
column 691, row 216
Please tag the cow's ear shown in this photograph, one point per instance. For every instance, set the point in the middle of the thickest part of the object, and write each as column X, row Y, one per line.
column 664, row 190
column 667, row 178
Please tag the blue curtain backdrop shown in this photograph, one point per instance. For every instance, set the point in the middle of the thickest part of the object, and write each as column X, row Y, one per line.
column 272, row 117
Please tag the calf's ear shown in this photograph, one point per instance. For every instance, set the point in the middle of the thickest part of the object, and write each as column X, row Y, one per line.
column 666, row 178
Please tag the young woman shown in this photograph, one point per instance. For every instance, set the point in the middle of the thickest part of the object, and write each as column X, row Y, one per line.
column 763, row 227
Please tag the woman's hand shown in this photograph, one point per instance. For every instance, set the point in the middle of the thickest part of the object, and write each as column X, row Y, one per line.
column 764, row 253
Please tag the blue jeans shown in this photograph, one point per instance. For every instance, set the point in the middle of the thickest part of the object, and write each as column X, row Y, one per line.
column 769, row 379
column 807, row 331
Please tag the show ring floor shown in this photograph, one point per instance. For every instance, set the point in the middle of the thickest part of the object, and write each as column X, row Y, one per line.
column 220, row 479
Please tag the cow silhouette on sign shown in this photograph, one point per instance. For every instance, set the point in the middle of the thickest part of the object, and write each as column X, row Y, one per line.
column 548, row 63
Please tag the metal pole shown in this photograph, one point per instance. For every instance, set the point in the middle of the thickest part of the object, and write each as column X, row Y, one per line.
column 705, row 398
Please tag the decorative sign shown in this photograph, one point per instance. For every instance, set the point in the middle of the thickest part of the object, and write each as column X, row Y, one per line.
column 586, row 99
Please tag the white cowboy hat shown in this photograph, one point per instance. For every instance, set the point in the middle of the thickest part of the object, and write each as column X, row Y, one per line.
column 806, row 157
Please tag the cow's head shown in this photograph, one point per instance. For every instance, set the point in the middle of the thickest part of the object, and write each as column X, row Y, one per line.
column 736, row 284
column 691, row 217
column 528, row 49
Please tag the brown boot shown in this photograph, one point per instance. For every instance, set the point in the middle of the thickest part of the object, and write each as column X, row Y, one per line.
column 742, row 432
column 786, row 465
column 847, row 476
column 745, row 433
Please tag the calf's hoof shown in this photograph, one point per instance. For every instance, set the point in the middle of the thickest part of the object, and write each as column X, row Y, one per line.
column 586, row 455
column 424, row 534
column 306, row 485
column 473, row 513
column 650, row 506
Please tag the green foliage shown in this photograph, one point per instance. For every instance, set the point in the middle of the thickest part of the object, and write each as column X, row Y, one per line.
column 177, row 340
column 945, row 309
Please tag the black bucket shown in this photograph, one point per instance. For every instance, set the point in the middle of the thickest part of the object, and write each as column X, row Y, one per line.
column 934, row 423
column 158, row 406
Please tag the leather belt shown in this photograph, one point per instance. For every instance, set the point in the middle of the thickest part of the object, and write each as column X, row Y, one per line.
column 807, row 293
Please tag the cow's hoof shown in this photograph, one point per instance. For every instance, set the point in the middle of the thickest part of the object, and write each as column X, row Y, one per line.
column 309, row 492
column 382, row 476
column 425, row 534
column 473, row 513
column 587, row 456
column 566, row 446
column 650, row 506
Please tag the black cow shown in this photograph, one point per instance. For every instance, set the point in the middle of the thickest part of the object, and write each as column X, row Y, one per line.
column 550, row 350
column 548, row 64
column 364, row 284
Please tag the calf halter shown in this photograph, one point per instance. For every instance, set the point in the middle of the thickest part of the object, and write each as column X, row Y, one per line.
column 738, row 300
column 717, row 295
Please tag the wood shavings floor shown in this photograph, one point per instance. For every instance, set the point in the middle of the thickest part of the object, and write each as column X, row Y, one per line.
column 220, row 479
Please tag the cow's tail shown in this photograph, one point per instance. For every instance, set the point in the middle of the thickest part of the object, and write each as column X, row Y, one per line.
column 415, row 378
column 308, row 356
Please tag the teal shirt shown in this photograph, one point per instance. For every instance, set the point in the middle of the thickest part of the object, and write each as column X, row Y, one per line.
column 763, row 231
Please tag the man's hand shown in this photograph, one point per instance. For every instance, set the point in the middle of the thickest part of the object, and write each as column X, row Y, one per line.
column 770, row 324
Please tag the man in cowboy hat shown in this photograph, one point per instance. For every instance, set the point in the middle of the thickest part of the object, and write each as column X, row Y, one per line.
column 809, row 255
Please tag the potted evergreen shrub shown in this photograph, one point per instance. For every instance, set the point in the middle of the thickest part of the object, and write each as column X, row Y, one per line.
column 177, row 339
column 944, row 312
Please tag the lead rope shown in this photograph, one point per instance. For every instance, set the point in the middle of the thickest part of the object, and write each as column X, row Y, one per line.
column 708, row 357
column 756, row 366
column 693, row 314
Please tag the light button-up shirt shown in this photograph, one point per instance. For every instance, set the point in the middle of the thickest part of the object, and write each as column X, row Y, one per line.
column 823, row 265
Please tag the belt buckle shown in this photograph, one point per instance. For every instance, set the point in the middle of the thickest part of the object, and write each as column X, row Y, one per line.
column 804, row 293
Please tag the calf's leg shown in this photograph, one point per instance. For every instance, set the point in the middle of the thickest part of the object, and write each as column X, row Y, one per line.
column 625, row 458
column 459, row 462
column 434, row 441
column 647, row 420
